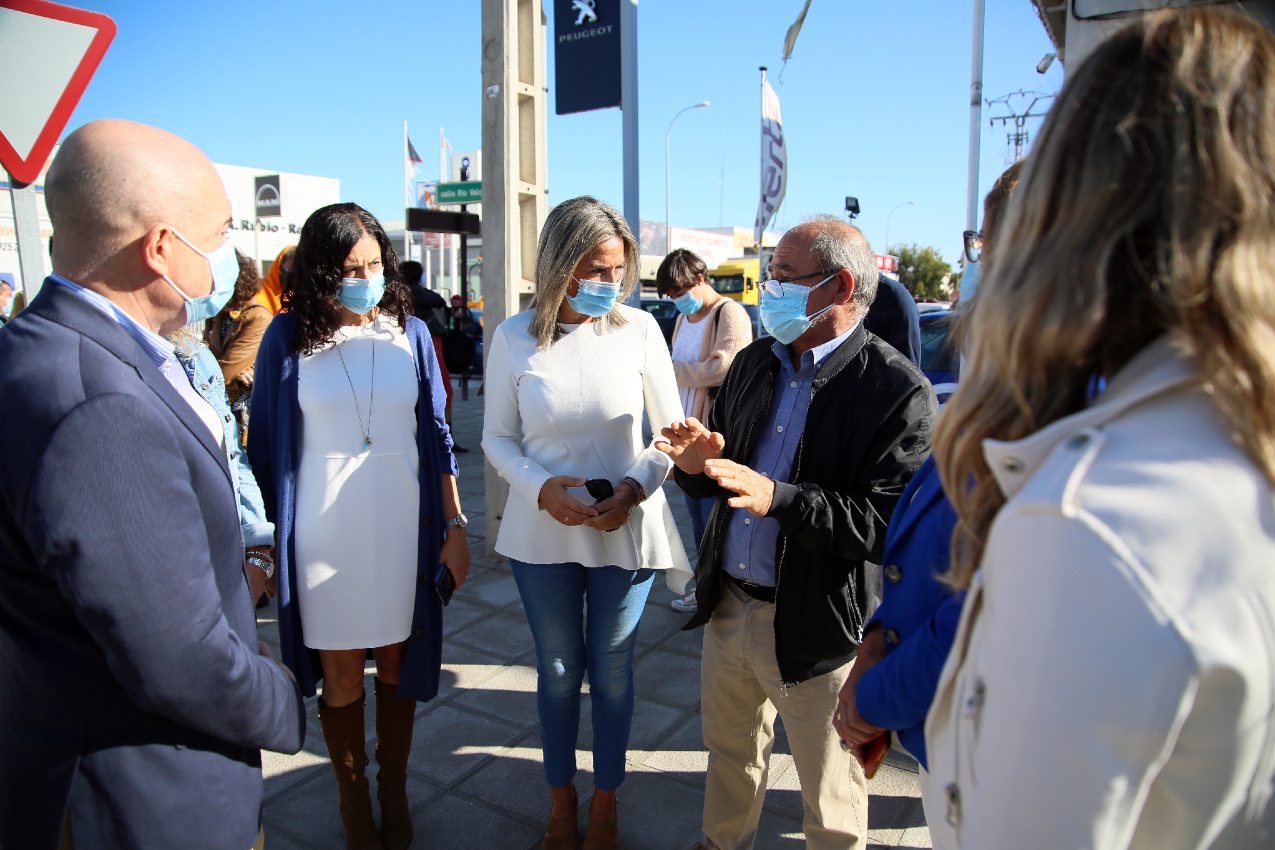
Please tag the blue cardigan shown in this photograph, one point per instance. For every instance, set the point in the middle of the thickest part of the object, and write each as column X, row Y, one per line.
column 918, row 614
column 274, row 448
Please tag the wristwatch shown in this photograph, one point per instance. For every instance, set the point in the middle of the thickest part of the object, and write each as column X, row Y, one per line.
column 458, row 521
column 262, row 562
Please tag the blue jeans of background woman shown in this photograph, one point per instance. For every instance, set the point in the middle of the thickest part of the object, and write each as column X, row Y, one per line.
column 699, row 509
column 556, row 597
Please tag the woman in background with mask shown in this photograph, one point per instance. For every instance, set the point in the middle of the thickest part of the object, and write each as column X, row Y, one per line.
column 349, row 444
column 710, row 330
column 567, row 383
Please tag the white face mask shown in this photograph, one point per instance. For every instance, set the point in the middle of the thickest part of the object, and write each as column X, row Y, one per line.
column 225, row 272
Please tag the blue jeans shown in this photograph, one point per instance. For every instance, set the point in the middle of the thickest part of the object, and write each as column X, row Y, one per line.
column 555, row 597
column 699, row 510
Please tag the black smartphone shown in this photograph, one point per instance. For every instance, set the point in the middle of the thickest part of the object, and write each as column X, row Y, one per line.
column 599, row 489
column 444, row 584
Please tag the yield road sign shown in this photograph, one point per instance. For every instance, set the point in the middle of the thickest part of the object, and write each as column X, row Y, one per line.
column 468, row 192
column 55, row 49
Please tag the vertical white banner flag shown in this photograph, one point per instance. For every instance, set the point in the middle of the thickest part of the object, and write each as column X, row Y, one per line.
column 774, row 160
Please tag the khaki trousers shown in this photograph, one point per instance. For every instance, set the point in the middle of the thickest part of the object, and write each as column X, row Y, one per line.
column 740, row 695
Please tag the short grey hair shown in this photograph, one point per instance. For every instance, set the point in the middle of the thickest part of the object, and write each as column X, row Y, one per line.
column 839, row 245
column 572, row 229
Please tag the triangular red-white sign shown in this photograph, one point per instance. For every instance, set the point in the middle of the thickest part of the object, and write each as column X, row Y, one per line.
column 54, row 50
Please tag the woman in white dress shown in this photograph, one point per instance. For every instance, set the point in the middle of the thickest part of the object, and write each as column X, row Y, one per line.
column 566, row 386
column 1111, row 457
column 350, row 444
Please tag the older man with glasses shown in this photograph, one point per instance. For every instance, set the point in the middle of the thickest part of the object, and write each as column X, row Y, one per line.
column 812, row 439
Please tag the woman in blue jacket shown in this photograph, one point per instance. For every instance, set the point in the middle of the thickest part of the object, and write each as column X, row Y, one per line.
column 352, row 452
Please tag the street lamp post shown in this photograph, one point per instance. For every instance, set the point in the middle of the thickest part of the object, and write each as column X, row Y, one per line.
column 887, row 222
column 668, row 233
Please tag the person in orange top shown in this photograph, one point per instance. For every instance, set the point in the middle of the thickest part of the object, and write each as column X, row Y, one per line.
column 271, row 293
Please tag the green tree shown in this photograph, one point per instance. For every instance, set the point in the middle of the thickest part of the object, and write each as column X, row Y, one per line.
column 922, row 270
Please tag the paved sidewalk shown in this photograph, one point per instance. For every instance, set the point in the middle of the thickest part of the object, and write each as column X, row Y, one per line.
column 476, row 780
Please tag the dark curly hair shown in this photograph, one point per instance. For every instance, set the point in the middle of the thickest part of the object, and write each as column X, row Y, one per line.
column 247, row 285
column 310, row 290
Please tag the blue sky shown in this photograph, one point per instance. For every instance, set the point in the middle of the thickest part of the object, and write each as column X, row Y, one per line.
column 874, row 100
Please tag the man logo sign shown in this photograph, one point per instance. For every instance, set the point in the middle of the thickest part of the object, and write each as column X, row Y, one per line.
column 267, row 201
column 584, row 10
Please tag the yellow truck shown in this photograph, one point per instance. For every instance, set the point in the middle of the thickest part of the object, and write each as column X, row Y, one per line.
column 738, row 278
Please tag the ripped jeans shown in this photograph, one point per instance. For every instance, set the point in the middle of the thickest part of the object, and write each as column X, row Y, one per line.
column 556, row 598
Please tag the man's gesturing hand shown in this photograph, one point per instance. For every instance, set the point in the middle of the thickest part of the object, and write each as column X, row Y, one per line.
column 755, row 491
column 690, row 444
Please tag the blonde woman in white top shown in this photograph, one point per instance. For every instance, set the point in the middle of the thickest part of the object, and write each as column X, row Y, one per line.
column 567, row 384
column 1112, row 681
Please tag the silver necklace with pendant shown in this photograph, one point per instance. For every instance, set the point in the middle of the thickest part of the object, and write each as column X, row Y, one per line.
column 367, row 432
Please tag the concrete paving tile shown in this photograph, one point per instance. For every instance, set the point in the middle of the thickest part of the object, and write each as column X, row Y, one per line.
column 668, row 677
column 916, row 838
column 777, row 832
column 463, row 612
column 901, row 758
column 652, row 723
column 891, row 781
column 282, row 771
column 448, row 743
column 496, row 588
column 659, row 813
column 464, row 669
column 307, row 813
column 461, row 823
column 510, row 694
column 895, row 811
column 681, row 753
column 504, row 633
column 515, row 781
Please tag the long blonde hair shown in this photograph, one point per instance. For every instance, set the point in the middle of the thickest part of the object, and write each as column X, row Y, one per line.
column 1147, row 206
column 572, row 229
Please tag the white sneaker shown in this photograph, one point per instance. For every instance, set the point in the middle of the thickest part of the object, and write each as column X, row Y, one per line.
column 685, row 604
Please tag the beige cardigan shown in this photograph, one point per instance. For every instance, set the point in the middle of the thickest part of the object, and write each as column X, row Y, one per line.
column 729, row 331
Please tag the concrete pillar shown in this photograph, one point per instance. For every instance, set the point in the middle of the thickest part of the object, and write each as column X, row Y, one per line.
column 514, row 177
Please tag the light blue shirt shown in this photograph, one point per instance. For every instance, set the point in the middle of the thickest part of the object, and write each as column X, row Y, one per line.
column 157, row 348
column 751, row 543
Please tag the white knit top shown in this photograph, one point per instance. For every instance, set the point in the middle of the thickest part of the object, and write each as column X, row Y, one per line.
column 576, row 409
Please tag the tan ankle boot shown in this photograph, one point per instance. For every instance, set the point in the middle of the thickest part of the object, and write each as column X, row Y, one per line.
column 604, row 836
column 394, row 720
column 344, row 734
column 561, row 832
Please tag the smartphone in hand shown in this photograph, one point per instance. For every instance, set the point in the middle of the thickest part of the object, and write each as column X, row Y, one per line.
column 600, row 489
column 444, row 584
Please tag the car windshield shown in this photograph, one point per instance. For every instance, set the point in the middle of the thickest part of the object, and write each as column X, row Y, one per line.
column 727, row 283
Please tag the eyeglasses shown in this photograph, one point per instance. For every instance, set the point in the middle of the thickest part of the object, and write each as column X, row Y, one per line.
column 973, row 245
column 775, row 286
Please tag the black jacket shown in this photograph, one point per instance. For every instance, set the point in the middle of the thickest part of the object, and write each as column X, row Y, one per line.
column 868, row 429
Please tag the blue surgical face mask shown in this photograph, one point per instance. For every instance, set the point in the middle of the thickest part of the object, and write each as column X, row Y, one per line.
column 358, row 295
column 594, row 298
column 784, row 316
column 225, row 272
column 687, row 304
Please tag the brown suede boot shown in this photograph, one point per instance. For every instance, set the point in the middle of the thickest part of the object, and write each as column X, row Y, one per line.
column 343, row 732
column 604, row 836
column 394, row 720
column 561, row 833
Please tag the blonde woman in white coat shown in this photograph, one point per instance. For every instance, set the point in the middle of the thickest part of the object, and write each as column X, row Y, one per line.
column 1111, row 456
column 567, row 383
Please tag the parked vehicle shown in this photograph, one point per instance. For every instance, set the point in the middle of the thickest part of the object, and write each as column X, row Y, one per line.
column 665, row 316
column 940, row 362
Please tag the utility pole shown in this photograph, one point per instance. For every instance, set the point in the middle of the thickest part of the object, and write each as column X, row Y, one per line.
column 1017, row 137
